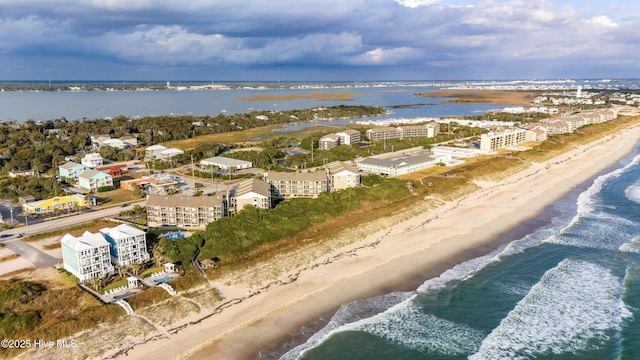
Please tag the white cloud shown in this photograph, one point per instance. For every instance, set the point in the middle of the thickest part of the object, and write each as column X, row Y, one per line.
column 416, row 3
column 601, row 20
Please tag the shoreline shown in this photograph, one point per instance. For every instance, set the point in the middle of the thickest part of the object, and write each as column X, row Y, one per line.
column 432, row 242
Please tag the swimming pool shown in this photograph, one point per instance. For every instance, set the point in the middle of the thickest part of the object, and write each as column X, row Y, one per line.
column 164, row 279
column 122, row 296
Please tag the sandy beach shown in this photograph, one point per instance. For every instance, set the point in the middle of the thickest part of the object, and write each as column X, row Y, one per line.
column 405, row 254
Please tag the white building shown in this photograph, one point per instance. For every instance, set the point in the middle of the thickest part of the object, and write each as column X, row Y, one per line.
column 92, row 160
column 225, row 163
column 153, row 152
column 509, row 138
column 169, row 153
column 456, row 152
column 86, row 256
column 402, row 165
column 128, row 245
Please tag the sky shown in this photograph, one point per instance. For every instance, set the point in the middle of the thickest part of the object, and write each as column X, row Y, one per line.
column 318, row 40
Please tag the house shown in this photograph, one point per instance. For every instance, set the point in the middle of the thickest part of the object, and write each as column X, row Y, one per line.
column 191, row 212
column 127, row 244
column 71, row 170
column 97, row 141
column 225, row 163
column 87, row 256
column 349, row 137
column 328, row 142
column 92, row 160
column 253, row 192
column 169, row 153
column 93, row 180
column 24, row 173
column 342, row 175
column 56, row 203
column 292, row 185
column 153, row 152
column 129, row 141
column 114, row 143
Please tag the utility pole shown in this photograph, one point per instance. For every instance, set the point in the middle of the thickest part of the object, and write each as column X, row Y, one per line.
column 193, row 176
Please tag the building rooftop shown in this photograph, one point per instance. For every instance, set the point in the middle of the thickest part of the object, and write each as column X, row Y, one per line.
column 87, row 241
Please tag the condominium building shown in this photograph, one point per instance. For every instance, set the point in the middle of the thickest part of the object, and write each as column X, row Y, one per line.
column 328, row 142
column 292, row 185
column 193, row 212
column 87, row 256
column 401, row 165
column 495, row 141
column 252, row 192
column 410, row 131
column 71, row 170
column 382, row 133
column 342, row 175
column 128, row 245
column 349, row 136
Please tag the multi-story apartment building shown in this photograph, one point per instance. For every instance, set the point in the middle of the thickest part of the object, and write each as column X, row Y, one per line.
column 382, row 133
column 86, row 256
column 253, row 192
column 349, row 137
column 292, row 185
column 495, row 141
column 128, row 245
column 427, row 130
column 328, row 142
column 191, row 212
column 342, row 175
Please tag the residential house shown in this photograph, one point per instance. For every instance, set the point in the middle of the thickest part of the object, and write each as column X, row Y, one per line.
column 23, row 173
column 252, row 192
column 93, row 180
column 86, row 256
column 190, row 212
column 129, row 141
column 154, row 151
column 128, row 245
column 71, row 170
column 97, row 141
column 55, row 203
column 342, row 175
column 92, row 160
column 167, row 154
column 114, row 143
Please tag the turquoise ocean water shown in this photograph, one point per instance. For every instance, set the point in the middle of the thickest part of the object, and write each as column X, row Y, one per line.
column 570, row 289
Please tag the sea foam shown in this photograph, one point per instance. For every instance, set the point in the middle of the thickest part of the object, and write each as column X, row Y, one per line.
column 575, row 306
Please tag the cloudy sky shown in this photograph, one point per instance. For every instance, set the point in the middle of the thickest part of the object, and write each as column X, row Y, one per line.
column 301, row 40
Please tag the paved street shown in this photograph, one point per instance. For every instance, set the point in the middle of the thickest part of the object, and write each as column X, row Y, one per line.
column 27, row 252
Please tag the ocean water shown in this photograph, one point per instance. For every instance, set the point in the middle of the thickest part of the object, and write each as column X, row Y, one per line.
column 570, row 289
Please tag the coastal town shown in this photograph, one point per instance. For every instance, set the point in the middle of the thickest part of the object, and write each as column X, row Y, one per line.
column 170, row 194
